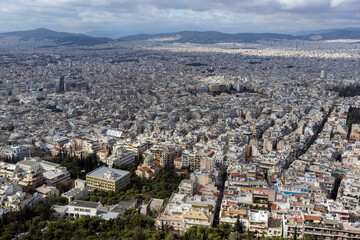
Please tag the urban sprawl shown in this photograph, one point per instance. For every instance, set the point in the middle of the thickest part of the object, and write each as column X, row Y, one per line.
column 267, row 134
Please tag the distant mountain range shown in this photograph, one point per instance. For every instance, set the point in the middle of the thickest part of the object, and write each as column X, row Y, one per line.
column 217, row 37
column 61, row 38
column 324, row 31
column 209, row 37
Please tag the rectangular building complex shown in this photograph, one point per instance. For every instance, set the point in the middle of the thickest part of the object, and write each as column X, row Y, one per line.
column 108, row 179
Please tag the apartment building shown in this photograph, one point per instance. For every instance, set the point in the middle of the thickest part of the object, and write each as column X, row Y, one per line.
column 107, row 179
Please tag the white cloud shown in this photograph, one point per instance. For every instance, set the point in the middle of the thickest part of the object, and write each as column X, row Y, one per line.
column 296, row 4
column 335, row 3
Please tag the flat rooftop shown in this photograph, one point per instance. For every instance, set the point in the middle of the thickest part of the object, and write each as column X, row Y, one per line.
column 72, row 192
column 108, row 173
column 29, row 163
column 86, row 204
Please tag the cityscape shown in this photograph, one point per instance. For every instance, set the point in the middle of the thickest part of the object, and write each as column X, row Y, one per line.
column 187, row 135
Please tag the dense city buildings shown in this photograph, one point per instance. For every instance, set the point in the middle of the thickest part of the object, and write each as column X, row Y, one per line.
column 268, row 133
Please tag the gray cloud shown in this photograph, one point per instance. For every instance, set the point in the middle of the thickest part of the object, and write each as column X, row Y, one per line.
column 131, row 16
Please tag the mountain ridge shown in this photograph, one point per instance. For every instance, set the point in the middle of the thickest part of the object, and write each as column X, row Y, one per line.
column 198, row 37
column 209, row 37
column 61, row 38
column 324, row 31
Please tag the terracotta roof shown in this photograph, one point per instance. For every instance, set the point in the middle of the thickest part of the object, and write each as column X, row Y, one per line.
column 273, row 206
column 145, row 168
column 199, row 186
column 312, row 218
column 319, row 208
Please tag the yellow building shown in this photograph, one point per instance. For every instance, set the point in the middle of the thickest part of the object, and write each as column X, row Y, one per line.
column 197, row 217
column 156, row 151
column 107, row 179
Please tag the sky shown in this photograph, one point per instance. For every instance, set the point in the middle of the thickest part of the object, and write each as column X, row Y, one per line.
column 125, row 17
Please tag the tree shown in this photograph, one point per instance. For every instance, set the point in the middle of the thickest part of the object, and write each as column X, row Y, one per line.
column 191, row 233
column 58, row 233
column 238, row 226
column 148, row 211
column 308, row 237
column 170, row 236
column 237, row 236
column 211, row 208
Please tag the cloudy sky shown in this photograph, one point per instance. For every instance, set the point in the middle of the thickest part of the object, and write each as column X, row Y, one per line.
column 124, row 17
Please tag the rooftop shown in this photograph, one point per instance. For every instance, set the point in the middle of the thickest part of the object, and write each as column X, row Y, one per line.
column 108, row 173
column 29, row 163
column 86, row 204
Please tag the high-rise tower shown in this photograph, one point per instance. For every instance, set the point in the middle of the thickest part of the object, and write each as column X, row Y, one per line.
column 61, row 86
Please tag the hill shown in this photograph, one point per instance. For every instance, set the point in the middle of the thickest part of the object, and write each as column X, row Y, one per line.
column 324, row 31
column 338, row 34
column 60, row 38
column 208, row 37
column 211, row 37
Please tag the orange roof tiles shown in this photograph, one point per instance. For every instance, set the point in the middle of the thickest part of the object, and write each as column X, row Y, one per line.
column 312, row 218
column 319, row 208
column 273, row 206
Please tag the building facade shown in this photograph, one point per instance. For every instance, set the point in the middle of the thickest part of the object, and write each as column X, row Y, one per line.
column 107, row 179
